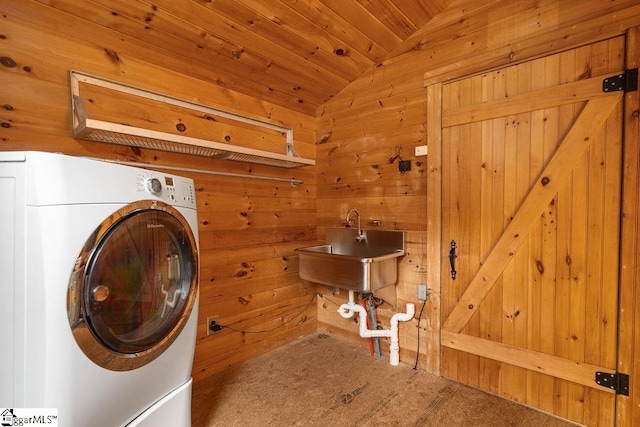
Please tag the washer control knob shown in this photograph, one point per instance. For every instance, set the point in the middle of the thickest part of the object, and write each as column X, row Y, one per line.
column 153, row 185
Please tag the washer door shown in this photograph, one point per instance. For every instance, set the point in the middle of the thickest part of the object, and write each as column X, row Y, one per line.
column 133, row 286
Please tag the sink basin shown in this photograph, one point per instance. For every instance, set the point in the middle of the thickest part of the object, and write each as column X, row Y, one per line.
column 344, row 262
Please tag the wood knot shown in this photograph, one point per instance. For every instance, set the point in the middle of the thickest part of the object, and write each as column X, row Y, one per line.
column 112, row 55
column 8, row 62
column 470, row 306
column 180, row 127
column 545, row 180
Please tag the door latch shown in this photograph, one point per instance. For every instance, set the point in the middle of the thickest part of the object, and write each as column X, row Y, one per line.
column 452, row 259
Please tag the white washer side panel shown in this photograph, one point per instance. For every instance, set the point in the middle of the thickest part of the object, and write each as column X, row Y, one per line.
column 12, row 261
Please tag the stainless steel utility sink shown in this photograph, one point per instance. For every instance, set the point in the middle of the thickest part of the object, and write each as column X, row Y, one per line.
column 346, row 262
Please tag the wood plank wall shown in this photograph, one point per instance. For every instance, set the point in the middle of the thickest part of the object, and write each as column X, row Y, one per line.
column 248, row 228
column 360, row 128
column 249, row 275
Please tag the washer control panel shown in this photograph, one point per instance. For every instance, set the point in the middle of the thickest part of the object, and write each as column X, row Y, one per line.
column 168, row 188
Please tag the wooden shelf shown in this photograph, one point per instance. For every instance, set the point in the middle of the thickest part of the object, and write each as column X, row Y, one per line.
column 123, row 134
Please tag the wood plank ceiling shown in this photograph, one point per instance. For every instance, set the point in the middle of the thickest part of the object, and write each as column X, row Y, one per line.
column 293, row 53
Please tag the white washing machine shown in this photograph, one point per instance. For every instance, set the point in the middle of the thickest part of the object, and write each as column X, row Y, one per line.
column 98, row 286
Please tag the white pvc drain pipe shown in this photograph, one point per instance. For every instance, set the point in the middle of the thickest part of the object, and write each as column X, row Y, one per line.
column 347, row 311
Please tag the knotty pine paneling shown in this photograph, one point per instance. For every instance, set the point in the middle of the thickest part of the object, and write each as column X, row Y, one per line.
column 248, row 228
column 136, row 39
column 250, row 259
column 360, row 127
column 110, row 55
column 293, row 54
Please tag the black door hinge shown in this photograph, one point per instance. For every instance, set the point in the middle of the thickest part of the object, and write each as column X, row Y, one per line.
column 617, row 381
column 627, row 81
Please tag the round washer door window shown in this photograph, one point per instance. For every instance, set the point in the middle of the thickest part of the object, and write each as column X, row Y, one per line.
column 133, row 286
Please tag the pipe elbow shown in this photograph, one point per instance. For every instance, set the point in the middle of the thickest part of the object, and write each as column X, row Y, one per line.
column 346, row 311
column 411, row 311
column 403, row 317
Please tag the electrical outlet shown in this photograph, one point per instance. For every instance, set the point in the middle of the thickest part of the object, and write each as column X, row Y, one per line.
column 422, row 292
column 213, row 325
column 404, row 166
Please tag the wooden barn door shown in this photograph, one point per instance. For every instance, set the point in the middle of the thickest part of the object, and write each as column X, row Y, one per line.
column 531, row 187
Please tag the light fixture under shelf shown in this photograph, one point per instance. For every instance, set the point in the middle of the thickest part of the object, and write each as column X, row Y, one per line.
column 115, row 133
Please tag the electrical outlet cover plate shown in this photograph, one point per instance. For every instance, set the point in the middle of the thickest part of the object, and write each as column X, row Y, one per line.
column 421, row 150
column 212, row 321
column 422, row 292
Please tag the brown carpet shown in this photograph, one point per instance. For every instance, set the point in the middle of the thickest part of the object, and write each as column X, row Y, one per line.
column 321, row 380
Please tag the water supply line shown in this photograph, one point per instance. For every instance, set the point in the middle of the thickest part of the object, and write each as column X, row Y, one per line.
column 347, row 311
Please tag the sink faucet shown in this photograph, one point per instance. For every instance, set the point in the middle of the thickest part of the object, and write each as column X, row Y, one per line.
column 361, row 236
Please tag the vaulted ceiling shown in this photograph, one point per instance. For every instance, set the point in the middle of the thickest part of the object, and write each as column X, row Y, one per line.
column 294, row 53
